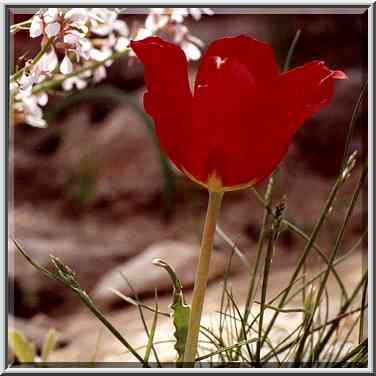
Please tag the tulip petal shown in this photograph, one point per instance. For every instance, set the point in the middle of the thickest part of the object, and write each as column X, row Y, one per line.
column 256, row 56
column 168, row 97
column 305, row 90
column 238, row 125
column 231, row 136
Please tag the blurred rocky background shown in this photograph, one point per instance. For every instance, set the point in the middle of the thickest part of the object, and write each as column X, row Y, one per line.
column 90, row 188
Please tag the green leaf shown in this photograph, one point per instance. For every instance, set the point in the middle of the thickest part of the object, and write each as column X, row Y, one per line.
column 48, row 344
column 180, row 310
column 22, row 348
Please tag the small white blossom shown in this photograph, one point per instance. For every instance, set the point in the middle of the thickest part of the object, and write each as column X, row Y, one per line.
column 50, row 15
column 102, row 21
column 178, row 14
column 196, row 13
column 99, row 74
column 192, row 52
column 71, row 38
column 72, row 82
column 121, row 44
column 25, row 82
column 33, row 114
column 49, row 61
column 142, row 33
column 36, row 27
column 42, row 98
column 52, row 29
column 86, row 35
column 77, row 16
column 156, row 19
column 121, row 28
column 190, row 44
column 100, row 54
column 66, row 65
column 13, row 87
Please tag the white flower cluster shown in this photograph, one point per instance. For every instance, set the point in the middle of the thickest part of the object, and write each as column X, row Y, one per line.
column 171, row 20
column 74, row 39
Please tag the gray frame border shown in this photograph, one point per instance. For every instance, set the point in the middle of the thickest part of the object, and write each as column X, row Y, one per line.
column 4, row 166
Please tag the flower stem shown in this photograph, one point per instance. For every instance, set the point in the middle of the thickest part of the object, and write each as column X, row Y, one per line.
column 43, row 86
column 215, row 200
column 20, row 26
column 40, row 54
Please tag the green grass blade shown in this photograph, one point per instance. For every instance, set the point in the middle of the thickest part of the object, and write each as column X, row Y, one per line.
column 48, row 344
column 141, row 313
column 290, row 52
column 234, row 247
column 352, row 124
column 22, row 348
column 65, row 275
column 149, row 345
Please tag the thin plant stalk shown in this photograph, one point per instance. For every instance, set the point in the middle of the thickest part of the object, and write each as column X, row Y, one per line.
column 274, row 233
column 243, row 323
column 141, row 313
column 331, row 261
column 268, row 261
column 46, row 85
column 214, row 205
column 346, row 339
column 69, row 281
column 20, row 26
column 321, row 273
column 293, row 227
column 260, row 245
column 268, row 200
column 362, row 314
column 307, row 249
column 39, row 55
column 362, row 346
column 293, row 342
column 315, row 355
column 354, row 117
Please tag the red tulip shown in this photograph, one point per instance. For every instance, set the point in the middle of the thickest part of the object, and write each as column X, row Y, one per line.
column 237, row 125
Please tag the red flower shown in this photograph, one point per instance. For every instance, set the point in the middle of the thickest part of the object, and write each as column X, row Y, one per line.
column 237, row 125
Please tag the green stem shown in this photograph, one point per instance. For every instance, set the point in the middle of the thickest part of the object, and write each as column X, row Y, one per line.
column 354, row 118
column 314, row 330
column 268, row 200
column 304, row 236
column 88, row 302
column 53, row 83
column 260, row 245
column 268, row 261
column 332, row 258
column 361, row 347
column 315, row 355
column 306, row 250
column 45, row 48
column 362, row 322
column 215, row 200
column 19, row 26
column 84, row 297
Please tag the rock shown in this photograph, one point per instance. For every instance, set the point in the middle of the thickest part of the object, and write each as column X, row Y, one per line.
column 145, row 277
column 33, row 292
